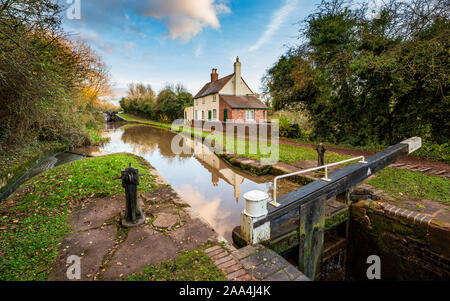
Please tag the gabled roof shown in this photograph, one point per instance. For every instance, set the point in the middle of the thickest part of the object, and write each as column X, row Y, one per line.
column 213, row 87
column 242, row 102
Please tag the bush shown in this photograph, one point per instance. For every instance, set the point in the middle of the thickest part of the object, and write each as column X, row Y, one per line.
column 434, row 151
column 289, row 129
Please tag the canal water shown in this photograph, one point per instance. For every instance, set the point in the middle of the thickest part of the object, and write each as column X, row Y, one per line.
column 209, row 184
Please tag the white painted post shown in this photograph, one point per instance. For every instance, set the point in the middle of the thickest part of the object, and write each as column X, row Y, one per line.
column 255, row 210
column 414, row 143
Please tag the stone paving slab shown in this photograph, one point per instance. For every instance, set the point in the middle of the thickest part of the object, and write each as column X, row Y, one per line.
column 143, row 247
column 193, row 233
column 90, row 246
column 94, row 214
column 111, row 252
column 165, row 220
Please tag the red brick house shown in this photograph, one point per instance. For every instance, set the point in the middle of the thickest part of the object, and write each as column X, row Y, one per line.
column 227, row 99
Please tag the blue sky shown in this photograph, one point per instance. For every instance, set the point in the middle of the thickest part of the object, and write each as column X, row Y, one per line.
column 179, row 41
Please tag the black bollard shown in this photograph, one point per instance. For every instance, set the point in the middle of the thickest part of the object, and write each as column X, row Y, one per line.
column 320, row 154
column 133, row 215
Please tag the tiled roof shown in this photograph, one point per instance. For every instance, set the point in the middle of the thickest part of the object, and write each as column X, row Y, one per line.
column 213, row 87
column 243, row 102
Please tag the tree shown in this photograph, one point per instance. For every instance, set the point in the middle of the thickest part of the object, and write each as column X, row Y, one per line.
column 168, row 105
column 369, row 80
column 49, row 85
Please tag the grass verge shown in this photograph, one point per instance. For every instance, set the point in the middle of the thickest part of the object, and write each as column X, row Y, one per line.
column 144, row 121
column 33, row 220
column 96, row 138
column 402, row 183
column 192, row 265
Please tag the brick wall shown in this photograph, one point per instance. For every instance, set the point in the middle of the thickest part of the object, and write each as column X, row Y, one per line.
column 239, row 114
column 223, row 105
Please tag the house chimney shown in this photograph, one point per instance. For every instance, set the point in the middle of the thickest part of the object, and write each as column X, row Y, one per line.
column 214, row 75
column 237, row 76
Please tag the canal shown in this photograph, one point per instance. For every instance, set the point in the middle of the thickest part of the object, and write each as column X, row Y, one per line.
column 209, row 184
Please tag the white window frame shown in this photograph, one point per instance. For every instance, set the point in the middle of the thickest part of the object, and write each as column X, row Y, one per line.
column 214, row 114
column 214, row 98
column 196, row 115
column 250, row 115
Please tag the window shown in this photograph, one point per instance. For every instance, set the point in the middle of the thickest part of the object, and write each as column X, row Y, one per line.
column 196, row 102
column 203, row 115
column 203, row 100
column 250, row 115
column 214, row 98
column 196, row 115
column 214, row 114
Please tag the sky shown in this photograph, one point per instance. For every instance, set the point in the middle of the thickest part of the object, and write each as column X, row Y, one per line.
column 179, row 41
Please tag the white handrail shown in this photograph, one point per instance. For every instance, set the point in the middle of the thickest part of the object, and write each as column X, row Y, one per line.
column 274, row 202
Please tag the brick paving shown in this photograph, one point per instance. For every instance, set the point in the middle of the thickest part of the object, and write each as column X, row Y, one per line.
column 427, row 170
column 253, row 263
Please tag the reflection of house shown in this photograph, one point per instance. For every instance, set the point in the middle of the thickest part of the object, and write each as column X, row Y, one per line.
column 227, row 99
column 215, row 166
column 189, row 113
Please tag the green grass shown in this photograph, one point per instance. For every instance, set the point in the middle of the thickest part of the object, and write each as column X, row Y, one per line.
column 145, row 121
column 290, row 154
column 413, row 185
column 96, row 138
column 33, row 220
column 192, row 265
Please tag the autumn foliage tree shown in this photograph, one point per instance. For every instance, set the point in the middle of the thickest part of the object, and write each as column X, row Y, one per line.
column 49, row 85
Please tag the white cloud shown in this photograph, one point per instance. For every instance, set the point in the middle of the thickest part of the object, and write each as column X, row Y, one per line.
column 277, row 20
column 186, row 18
column 222, row 8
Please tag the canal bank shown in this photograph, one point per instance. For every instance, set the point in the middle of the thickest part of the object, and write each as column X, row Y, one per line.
column 74, row 209
column 15, row 167
column 19, row 166
column 73, row 212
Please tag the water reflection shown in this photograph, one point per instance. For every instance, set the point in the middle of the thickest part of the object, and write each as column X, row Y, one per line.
column 210, row 185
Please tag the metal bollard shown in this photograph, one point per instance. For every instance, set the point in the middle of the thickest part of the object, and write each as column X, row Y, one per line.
column 133, row 215
column 255, row 209
column 320, row 154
